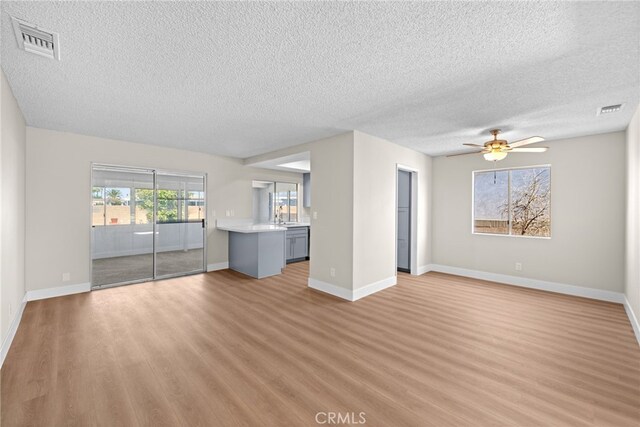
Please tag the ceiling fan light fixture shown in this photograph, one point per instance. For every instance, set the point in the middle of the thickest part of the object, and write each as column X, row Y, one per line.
column 495, row 155
column 497, row 149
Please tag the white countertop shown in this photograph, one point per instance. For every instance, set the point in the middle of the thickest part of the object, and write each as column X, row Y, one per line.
column 297, row 224
column 252, row 228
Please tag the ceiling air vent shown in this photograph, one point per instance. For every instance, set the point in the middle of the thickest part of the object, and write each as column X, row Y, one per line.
column 36, row 40
column 610, row 109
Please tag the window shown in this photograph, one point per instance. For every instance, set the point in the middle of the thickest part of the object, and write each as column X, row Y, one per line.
column 97, row 205
column 285, row 202
column 167, row 203
column 275, row 201
column 117, row 209
column 195, row 206
column 144, row 205
column 115, row 206
column 513, row 202
column 111, row 206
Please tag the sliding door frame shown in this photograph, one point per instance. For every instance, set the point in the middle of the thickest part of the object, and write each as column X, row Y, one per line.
column 154, row 172
column 204, row 229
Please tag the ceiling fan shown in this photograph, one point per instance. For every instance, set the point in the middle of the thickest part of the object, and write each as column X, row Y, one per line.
column 497, row 149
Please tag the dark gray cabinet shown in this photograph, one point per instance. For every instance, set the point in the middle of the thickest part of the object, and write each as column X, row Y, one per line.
column 297, row 244
column 404, row 221
column 306, row 190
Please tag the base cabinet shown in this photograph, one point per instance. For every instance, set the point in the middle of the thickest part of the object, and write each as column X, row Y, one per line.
column 257, row 254
column 297, row 244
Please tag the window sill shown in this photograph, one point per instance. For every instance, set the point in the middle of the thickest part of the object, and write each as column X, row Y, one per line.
column 512, row 235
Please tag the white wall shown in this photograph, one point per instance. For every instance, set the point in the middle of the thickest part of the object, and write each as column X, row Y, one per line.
column 374, row 211
column 587, row 216
column 12, row 203
column 632, row 270
column 353, row 187
column 332, row 200
column 59, row 197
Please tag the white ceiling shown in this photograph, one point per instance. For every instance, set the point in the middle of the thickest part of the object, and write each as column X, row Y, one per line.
column 298, row 162
column 242, row 79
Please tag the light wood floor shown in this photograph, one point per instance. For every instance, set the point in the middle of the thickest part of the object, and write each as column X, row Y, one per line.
column 221, row 349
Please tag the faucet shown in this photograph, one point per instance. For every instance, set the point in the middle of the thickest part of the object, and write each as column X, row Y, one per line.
column 279, row 215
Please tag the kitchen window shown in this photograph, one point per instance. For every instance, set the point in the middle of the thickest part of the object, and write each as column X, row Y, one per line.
column 512, row 202
column 285, row 202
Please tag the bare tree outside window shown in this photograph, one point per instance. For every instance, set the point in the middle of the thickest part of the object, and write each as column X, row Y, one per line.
column 530, row 201
column 514, row 202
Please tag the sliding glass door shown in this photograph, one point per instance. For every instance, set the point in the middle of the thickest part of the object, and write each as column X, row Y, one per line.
column 146, row 224
column 180, row 224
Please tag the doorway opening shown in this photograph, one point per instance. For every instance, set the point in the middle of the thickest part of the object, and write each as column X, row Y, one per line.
column 146, row 224
column 406, row 216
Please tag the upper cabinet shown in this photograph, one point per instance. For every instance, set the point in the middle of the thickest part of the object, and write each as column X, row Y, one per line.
column 306, row 185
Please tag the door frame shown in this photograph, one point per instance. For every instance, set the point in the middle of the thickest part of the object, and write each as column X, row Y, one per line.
column 155, row 223
column 154, row 172
column 413, row 225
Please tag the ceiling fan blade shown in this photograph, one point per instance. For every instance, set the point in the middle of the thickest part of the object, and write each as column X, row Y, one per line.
column 529, row 150
column 474, row 145
column 526, row 141
column 464, row 154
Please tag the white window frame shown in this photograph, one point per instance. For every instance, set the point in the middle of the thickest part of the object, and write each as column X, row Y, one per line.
column 473, row 201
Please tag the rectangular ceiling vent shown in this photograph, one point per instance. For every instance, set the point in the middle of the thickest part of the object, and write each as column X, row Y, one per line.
column 610, row 109
column 36, row 40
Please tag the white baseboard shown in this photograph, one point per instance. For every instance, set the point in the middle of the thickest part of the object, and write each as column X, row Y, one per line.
column 217, row 266
column 424, row 269
column 13, row 328
column 348, row 294
column 58, row 292
column 524, row 282
column 372, row 288
column 632, row 318
column 330, row 289
column 34, row 296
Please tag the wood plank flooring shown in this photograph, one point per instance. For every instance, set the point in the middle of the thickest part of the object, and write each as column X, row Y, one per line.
column 222, row 349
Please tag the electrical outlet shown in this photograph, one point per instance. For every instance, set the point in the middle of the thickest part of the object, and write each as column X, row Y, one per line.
column 228, row 212
column 66, row 277
column 315, row 215
column 332, row 271
column 518, row 266
column 232, row 212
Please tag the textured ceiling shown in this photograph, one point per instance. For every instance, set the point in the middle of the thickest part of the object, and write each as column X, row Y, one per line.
column 242, row 79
